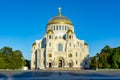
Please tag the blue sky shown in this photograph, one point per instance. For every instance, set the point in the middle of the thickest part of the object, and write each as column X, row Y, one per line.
column 24, row 21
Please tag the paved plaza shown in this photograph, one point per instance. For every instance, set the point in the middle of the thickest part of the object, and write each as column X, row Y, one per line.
column 60, row 75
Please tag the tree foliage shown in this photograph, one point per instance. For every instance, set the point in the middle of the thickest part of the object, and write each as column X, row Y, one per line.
column 108, row 58
column 10, row 59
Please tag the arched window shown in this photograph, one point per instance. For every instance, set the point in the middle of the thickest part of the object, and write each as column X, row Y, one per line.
column 69, row 36
column 59, row 47
column 56, row 27
column 59, row 27
column 50, row 37
column 65, row 27
column 62, row 27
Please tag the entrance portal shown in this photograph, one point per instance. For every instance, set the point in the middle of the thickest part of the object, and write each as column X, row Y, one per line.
column 60, row 63
column 70, row 64
column 50, row 65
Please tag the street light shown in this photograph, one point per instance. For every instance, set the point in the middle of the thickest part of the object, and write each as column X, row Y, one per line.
column 23, row 63
column 96, row 63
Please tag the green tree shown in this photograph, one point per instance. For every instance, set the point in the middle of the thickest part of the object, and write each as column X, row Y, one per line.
column 107, row 58
column 10, row 59
column 2, row 62
column 92, row 62
column 6, row 51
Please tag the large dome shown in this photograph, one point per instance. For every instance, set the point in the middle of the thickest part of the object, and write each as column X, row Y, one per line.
column 60, row 19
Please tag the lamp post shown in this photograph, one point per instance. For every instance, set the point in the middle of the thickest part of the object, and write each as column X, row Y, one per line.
column 23, row 63
column 96, row 63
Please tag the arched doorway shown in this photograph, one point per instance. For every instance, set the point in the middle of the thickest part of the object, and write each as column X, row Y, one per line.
column 60, row 62
column 70, row 63
column 50, row 64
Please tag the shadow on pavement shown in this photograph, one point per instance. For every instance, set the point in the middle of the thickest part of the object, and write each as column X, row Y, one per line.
column 3, row 76
column 32, row 74
column 89, row 74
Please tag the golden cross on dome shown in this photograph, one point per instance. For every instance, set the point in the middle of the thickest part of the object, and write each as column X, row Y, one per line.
column 59, row 11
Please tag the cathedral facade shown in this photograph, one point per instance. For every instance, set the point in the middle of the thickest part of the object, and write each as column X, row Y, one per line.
column 59, row 48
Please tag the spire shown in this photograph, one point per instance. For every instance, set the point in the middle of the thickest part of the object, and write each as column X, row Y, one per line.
column 59, row 11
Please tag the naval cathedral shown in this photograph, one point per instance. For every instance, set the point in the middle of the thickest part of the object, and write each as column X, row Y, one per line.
column 59, row 48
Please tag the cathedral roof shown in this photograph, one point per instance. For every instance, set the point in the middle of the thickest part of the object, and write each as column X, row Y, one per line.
column 60, row 19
